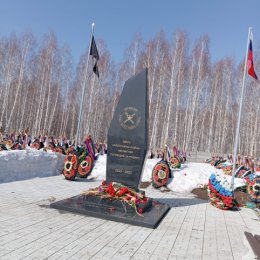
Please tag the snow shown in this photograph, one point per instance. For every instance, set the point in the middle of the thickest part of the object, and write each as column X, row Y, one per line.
column 194, row 175
column 29, row 163
column 99, row 170
column 187, row 178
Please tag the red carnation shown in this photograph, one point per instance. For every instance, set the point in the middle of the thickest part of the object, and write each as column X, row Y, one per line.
column 110, row 190
column 122, row 191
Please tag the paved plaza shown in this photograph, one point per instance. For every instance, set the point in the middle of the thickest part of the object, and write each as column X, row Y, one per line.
column 193, row 229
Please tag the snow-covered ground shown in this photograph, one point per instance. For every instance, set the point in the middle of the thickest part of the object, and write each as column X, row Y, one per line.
column 185, row 179
column 25, row 164
column 29, row 163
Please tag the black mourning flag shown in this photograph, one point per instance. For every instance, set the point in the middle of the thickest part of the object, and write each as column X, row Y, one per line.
column 95, row 69
column 94, row 54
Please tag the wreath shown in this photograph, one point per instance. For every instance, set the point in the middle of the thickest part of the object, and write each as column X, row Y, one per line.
column 85, row 165
column 70, row 167
column 16, row 146
column 160, row 174
column 249, row 178
column 253, row 189
column 51, row 146
column 2, row 147
column 240, row 172
column 36, row 145
column 174, row 162
column 220, row 193
column 70, row 150
column 59, row 150
column 219, row 163
column 228, row 169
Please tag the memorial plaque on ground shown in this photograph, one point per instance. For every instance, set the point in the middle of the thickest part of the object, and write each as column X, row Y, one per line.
column 128, row 133
column 127, row 147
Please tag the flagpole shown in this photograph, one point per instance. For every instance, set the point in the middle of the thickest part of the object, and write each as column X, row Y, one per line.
column 84, row 87
column 240, row 112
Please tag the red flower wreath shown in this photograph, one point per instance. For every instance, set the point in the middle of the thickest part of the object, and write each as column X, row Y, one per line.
column 253, row 189
column 35, row 145
column 85, row 167
column 70, row 167
column 160, row 174
column 174, row 162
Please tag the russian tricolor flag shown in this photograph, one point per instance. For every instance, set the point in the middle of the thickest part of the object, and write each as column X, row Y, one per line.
column 250, row 63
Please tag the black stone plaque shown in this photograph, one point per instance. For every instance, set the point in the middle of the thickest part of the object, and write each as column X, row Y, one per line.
column 80, row 204
column 128, row 133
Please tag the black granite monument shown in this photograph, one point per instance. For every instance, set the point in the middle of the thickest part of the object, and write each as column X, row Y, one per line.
column 127, row 147
column 128, row 133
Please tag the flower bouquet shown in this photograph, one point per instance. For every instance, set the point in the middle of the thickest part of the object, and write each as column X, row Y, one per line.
column 118, row 196
column 220, row 192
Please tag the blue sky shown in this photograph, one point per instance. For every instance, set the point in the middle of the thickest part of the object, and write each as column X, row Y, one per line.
column 225, row 21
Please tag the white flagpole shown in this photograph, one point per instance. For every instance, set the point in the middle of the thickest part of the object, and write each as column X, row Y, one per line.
column 240, row 112
column 83, row 89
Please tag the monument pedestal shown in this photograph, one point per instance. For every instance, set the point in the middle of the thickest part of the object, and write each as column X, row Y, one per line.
column 114, row 210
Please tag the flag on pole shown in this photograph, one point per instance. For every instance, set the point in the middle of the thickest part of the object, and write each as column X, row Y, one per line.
column 249, row 67
column 250, row 63
column 95, row 55
column 95, row 69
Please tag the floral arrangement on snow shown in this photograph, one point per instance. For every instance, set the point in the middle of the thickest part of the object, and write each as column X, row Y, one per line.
column 220, row 192
column 118, row 191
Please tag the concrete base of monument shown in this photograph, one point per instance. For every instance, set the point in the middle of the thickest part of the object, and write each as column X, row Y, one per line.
column 92, row 206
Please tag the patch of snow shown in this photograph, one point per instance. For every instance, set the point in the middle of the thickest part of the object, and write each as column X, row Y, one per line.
column 195, row 175
column 29, row 163
column 187, row 178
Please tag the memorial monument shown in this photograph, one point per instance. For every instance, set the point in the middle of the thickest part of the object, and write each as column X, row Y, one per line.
column 128, row 133
column 119, row 198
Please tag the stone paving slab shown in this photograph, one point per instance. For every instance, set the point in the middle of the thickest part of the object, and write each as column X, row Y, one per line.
column 192, row 229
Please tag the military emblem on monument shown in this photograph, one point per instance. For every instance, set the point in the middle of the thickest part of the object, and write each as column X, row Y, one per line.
column 129, row 118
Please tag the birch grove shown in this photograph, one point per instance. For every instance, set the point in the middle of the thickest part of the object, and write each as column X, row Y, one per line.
column 193, row 101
